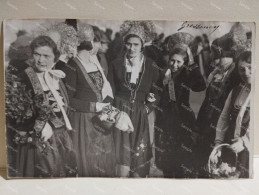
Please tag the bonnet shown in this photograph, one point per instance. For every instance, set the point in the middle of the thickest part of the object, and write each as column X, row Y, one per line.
column 64, row 35
column 145, row 30
column 232, row 43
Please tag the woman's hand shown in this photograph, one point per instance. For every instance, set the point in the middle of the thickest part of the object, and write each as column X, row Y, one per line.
column 215, row 155
column 238, row 145
column 151, row 97
column 46, row 132
column 99, row 106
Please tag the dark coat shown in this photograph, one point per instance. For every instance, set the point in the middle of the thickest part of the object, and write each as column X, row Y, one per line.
column 148, row 84
column 175, row 123
column 36, row 159
column 82, row 93
column 210, row 110
column 134, row 149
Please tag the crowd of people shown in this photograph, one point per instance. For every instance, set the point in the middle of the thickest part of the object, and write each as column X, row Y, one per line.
column 62, row 78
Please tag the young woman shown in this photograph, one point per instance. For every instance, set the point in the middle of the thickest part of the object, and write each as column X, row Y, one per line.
column 234, row 122
column 133, row 79
column 44, row 146
column 175, row 124
column 220, row 82
column 88, row 88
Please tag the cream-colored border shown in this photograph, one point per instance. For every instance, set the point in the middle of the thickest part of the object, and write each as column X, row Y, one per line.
column 178, row 10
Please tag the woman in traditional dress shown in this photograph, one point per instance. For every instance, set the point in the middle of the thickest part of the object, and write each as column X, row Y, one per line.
column 233, row 126
column 220, row 82
column 44, row 146
column 175, row 124
column 133, row 78
column 66, row 38
column 88, row 89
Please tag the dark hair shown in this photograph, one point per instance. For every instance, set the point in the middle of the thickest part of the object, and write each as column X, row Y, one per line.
column 249, row 35
column 117, row 35
column 108, row 31
column 245, row 56
column 97, row 34
column 166, row 40
column 215, row 49
column 21, row 33
column 85, row 45
column 205, row 36
column 42, row 41
column 198, row 39
column 181, row 52
column 133, row 36
column 72, row 22
column 223, row 48
column 164, row 45
column 161, row 36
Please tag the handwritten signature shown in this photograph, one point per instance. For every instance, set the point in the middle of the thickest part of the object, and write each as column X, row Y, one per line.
column 198, row 26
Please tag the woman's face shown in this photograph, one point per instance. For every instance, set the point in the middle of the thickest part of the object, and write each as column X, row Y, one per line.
column 104, row 47
column 133, row 47
column 43, row 58
column 176, row 62
column 244, row 70
column 96, row 47
column 213, row 53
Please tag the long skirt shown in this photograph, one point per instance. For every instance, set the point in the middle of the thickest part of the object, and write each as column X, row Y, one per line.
column 175, row 148
column 207, row 123
column 206, row 143
column 134, row 149
column 11, row 149
column 95, row 152
column 55, row 160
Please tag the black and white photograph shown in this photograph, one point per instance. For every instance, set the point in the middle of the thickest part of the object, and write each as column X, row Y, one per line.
column 129, row 98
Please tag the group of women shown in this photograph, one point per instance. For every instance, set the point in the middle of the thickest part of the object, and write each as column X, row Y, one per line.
column 77, row 90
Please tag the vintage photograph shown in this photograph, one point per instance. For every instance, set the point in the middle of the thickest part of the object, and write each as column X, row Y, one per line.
column 132, row 99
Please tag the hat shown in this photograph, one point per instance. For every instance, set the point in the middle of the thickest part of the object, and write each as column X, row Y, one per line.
column 232, row 43
column 181, row 40
column 63, row 33
column 145, row 30
column 20, row 49
column 104, row 38
column 85, row 32
column 97, row 34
